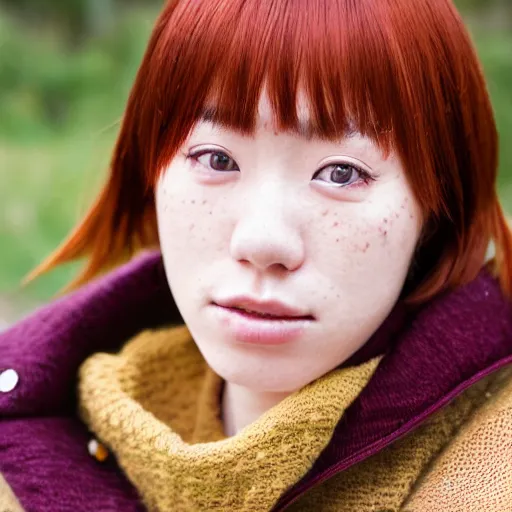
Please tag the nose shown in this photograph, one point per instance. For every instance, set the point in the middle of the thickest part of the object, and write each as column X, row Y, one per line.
column 267, row 233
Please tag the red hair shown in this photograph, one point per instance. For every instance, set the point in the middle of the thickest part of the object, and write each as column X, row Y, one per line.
column 404, row 72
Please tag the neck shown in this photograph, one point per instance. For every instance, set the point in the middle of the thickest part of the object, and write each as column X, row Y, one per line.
column 242, row 406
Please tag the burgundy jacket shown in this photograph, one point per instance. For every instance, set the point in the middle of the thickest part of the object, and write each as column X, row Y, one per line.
column 431, row 357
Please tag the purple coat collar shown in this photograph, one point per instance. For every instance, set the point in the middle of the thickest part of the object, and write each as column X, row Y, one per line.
column 449, row 345
column 431, row 358
column 61, row 335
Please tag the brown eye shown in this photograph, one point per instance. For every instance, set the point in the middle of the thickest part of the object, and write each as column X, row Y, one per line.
column 221, row 162
column 215, row 160
column 341, row 174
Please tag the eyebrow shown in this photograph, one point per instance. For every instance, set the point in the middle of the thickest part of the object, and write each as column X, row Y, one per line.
column 304, row 129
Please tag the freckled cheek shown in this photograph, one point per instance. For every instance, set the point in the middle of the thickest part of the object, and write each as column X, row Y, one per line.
column 397, row 232
column 365, row 237
column 190, row 226
column 177, row 216
column 358, row 238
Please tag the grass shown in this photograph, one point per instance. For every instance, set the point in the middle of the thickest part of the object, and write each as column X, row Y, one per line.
column 54, row 148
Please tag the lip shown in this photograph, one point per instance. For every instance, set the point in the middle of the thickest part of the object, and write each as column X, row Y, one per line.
column 285, row 324
column 273, row 308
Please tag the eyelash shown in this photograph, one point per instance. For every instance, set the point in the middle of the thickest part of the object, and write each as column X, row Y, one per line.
column 364, row 176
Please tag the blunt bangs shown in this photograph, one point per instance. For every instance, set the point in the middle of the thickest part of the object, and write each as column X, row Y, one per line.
column 353, row 61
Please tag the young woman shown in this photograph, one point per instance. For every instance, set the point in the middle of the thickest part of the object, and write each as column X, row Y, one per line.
column 315, row 183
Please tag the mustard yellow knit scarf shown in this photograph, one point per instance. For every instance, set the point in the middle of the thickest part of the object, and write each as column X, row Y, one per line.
column 156, row 406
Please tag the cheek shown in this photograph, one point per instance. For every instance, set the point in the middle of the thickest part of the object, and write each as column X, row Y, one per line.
column 177, row 219
column 373, row 242
column 186, row 222
column 183, row 239
column 390, row 228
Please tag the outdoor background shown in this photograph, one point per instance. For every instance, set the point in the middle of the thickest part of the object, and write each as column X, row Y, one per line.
column 66, row 67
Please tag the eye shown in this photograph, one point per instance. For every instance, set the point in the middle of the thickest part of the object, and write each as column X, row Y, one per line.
column 342, row 175
column 215, row 160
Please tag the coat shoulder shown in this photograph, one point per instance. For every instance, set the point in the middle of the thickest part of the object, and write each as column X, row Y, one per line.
column 415, row 468
column 474, row 471
column 41, row 456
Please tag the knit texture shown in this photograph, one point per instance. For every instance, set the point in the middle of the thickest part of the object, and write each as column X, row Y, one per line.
column 386, row 481
column 47, row 347
column 450, row 344
column 474, row 473
column 156, row 406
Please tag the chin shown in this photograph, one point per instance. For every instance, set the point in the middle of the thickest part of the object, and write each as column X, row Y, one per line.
column 260, row 376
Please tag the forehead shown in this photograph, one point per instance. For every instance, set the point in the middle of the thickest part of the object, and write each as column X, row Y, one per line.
column 266, row 114
column 266, row 118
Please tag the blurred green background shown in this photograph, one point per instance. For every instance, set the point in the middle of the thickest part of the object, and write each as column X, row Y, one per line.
column 66, row 67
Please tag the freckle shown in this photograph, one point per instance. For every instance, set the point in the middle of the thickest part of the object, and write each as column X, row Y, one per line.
column 403, row 207
column 385, row 221
column 337, row 240
column 210, row 212
column 366, row 247
column 337, row 296
column 193, row 201
column 204, row 201
column 192, row 226
column 335, row 224
column 397, row 215
column 324, row 213
column 411, row 216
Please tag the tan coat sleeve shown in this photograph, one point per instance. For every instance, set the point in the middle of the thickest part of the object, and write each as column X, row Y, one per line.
column 8, row 502
column 474, row 473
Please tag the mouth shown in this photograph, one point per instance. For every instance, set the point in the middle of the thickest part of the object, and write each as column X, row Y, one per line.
column 248, row 313
column 269, row 310
column 263, row 323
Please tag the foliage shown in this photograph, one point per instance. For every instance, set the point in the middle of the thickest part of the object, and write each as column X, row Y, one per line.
column 76, row 19
column 45, row 88
column 59, row 113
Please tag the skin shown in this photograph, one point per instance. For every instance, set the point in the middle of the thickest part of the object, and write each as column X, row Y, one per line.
column 264, row 225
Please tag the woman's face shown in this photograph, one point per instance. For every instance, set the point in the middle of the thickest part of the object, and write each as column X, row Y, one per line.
column 284, row 254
